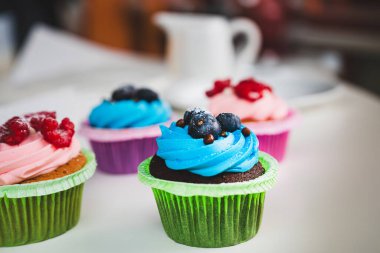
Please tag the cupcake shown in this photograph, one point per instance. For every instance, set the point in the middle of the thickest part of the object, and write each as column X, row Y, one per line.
column 259, row 108
column 123, row 129
column 209, row 180
column 42, row 173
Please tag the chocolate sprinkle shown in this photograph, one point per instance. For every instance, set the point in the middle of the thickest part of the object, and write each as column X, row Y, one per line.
column 180, row 123
column 246, row 132
column 208, row 139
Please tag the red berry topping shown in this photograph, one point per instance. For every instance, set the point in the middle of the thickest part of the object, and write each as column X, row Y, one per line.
column 14, row 131
column 250, row 89
column 48, row 124
column 58, row 135
column 219, row 87
column 59, row 138
column 67, row 124
column 35, row 119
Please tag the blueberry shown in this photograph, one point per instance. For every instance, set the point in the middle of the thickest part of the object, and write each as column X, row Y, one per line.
column 190, row 113
column 202, row 124
column 123, row 93
column 187, row 117
column 229, row 122
column 146, row 94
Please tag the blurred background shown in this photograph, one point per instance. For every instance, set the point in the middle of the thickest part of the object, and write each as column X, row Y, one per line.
column 321, row 56
column 344, row 35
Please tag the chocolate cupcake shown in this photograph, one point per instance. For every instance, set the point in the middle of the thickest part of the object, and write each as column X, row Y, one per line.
column 42, row 174
column 209, row 180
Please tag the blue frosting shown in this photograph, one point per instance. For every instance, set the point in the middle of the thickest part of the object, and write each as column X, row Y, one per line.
column 129, row 113
column 233, row 153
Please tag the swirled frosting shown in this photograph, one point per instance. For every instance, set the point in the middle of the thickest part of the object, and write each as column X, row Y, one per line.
column 33, row 157
column 129, row 113
column 268, row 107
column 233, row 153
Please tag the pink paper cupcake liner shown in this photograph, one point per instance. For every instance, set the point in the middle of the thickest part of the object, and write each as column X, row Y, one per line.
column 273, row 136
column 274, row 144
column 120, row 151
column 123, row 157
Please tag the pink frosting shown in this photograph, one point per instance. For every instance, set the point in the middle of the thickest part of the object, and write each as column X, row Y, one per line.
column 33, row 157
column 275, row 127
column 269, row 107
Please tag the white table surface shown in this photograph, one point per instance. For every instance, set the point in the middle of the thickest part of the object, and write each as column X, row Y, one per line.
column 326, row 198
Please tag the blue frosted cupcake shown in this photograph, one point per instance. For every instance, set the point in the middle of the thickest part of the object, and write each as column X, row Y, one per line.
column 209, row 180
column 122, row 130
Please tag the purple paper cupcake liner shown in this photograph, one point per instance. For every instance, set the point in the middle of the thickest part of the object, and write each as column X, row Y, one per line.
column 274, row 144
column 123, row 157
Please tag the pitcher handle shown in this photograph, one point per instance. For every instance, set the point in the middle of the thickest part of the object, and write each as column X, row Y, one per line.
column 248, row 54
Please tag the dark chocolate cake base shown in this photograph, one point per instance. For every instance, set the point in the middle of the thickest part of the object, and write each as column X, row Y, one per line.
column 159, row 170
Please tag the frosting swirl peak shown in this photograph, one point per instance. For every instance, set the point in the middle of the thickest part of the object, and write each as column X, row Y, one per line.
column 232, row 153
column 129, row 113
column 33, row 157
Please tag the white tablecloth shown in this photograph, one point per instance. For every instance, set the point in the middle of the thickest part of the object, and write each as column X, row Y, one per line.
column 326, row 198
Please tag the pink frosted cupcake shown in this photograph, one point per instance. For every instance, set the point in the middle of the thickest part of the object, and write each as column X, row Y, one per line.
column 122, row 130
column 259, row 108
column 42, row 175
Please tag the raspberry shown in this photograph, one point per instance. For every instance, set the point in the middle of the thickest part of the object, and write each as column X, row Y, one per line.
column 58, row 135
column 48, row 124
column 251, row 90
column 35, row 119
column 59, row 138
column 67, row 124
column 219, row 87
column 14, row 131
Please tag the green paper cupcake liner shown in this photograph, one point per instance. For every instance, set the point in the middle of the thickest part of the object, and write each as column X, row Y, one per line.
column 210, row 222
column 38, row 211
column 211, row 215
column 34, row 219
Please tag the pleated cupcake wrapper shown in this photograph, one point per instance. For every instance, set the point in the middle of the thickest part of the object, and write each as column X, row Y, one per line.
column 274, row 144
column 210, row 222
column 38, row 211
column 211, row 215
column 123, row 157
column 273, row 127
column 34, row 219
column 273, row 135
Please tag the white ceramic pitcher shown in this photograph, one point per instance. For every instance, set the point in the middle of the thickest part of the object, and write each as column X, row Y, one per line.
column 201, row 46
